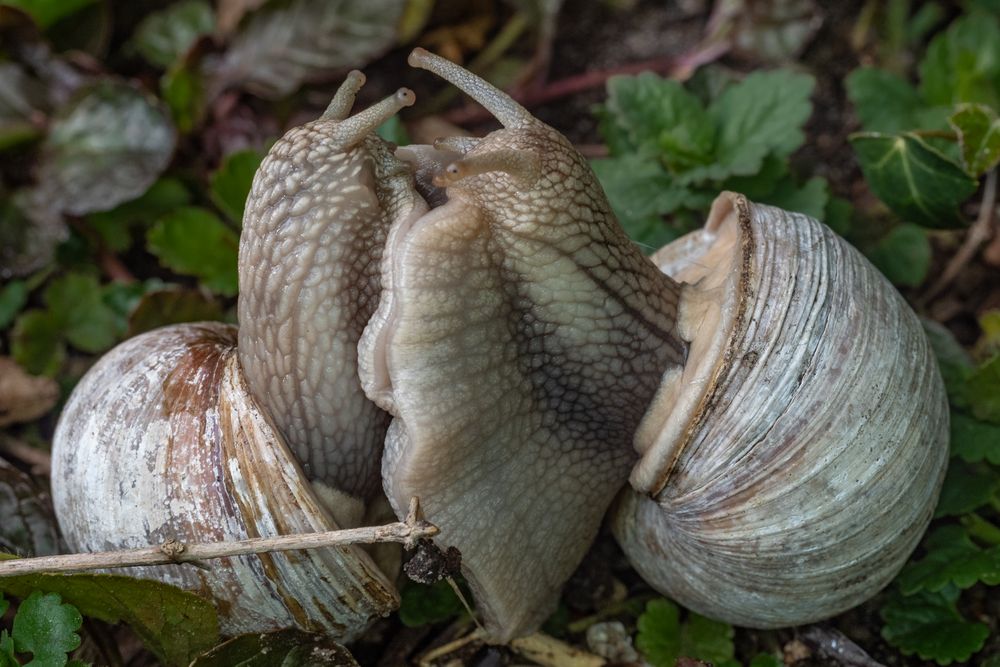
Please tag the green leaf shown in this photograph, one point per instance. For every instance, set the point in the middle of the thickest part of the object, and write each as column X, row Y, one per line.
column 903, row 255
column 7, row 657
column 978, row 131
column 13, row 297
column 651, row 115
column 425, row 604
column 966, row 488
column 810, row 197
column 183, row 89
column 974, row 441
column 283, row 648
column 756, row 187
column 838, row 215
column 662, row 638
column 231, row 182
column 884, row 101
column 36, row 342
column 766, row 660
column 86, row 321
column 929, row 625
column 761, row 115
column 952, row 560
column 172, row 306
column 174, row 624
column 913, row 179
column 193, row 241
column 104, row 148
column 164, row 36
column 640, row 193
column 46, row 628
column 114, row 226
column 962, row 64
column 394, row 132
column 47, row 12
column 953, row 360
column 982, row 389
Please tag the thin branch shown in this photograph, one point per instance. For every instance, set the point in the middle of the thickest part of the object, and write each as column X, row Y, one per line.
column 979, row 233
column 407, row 532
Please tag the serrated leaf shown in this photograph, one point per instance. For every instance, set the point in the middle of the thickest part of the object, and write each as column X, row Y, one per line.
column 46, row 628
column 174, row 624
column 640, row 193
column 183, row 90
column 962, row 64
column 973, row 440
column 47, row 12
column 283, row 648
column 114, row 226
column 810, row 197
column 662, row 638
column 29, row 526
column 13, row 297
column 290, row 42
column 760, row 116
column 85, row 320
column 903, row 255
column 653, row 116
column 422, row 604
column 104, row 148
column 952, row 560
column 978, row 131
column 231, row 182
column 36, row 342
column 954, row 362
column 171, row 306
column 913, row 179
column 884, row 101
column 193, row 241
column 982, row 390
column 164, row 36
column 966, row 489
column 929, row 625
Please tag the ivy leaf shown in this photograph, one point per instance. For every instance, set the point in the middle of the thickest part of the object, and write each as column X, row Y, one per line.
column 283, row 648
column 952, row 560
column 903, row 255
column 422, row 604
column 982, row 389
column 974, row 441
column 231, row 182
column 640, row 193
column 651, row 115
column 174, row 624
column 46, row 628
column 978, row 131
column 74, row 300
column 193, row 241
column 929, row 625
column 164, row 36
column 885, row 102
column 761, row 115
column 104, row 148
column 290, row 42
column 913, row 179
column 37, row 343
column 966, row 488
column 662, row 638
column 962, row 64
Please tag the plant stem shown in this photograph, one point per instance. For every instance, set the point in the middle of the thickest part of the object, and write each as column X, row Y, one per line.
column 981, row 529
column 407, row 532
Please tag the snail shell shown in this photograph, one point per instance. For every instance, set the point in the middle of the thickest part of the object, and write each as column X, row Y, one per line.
column 791, row 469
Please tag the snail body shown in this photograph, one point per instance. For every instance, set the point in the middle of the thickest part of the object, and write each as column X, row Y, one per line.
column 759, row 399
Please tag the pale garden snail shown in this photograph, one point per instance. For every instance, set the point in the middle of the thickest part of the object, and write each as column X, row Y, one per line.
column 762, row 401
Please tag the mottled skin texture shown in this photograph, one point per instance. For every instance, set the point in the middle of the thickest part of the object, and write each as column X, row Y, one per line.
column 313, row 233
column 523, row 339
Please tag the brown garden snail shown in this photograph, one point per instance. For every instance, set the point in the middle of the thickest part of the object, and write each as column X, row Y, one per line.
column 765, row 398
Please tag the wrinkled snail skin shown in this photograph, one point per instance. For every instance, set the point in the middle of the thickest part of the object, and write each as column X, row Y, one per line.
column 180, row 433
column 775, row 403
column 802, row 475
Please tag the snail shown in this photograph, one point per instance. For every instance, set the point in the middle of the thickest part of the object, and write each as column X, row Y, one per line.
column 755, row 404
